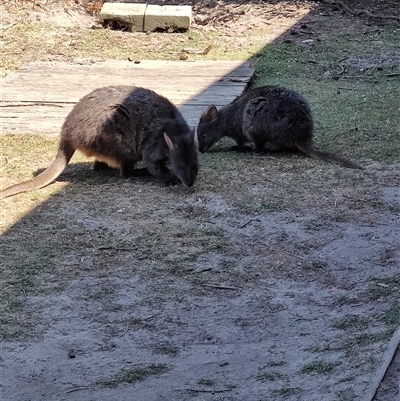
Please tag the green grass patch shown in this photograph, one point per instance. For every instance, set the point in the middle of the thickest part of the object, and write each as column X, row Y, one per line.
column 392, row 316
column 318, row 367
column 271, row 376
column 130, row 376
column 206, row 382
column 352, row 323
column 319, row 348
column 288, row 391
column 346, row 394
column 356, row 112
column 380, row 288
column 276, row 363
column 370, row 338
column 166, row 349
column 315, row 266
column 318, row 224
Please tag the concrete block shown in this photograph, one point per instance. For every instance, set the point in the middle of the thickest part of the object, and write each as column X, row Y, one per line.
column 126, row 14
column 174, row 18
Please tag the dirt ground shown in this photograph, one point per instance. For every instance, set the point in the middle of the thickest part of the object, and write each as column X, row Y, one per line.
column 214, row 293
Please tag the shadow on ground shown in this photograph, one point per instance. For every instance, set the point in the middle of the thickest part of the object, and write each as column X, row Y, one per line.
column 273, row 278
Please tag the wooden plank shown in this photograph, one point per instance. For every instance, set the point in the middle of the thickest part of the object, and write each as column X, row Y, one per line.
column 20, row 89
column 132, row 72
column 146, row 67
column 71, row 94
column 51, row 125
column 37, row 97
column 385, row 362
column 46, row 120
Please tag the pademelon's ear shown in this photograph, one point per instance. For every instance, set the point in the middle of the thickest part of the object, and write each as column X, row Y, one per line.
column 169, row 142
column 211, row 114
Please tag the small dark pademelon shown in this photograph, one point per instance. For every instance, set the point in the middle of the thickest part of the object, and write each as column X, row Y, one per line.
column 271, row 118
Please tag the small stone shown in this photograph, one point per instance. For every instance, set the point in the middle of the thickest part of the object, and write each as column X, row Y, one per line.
column 169, row 18
column 129, row 16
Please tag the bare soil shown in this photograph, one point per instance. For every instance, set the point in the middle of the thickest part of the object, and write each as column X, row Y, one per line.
column 260, row 286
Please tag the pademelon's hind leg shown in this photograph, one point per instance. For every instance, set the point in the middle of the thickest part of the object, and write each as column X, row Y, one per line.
column 127, row 169
column 98, row 166
column 256, row 138
column 241, row 146
column 273, row 147
column 259, row 147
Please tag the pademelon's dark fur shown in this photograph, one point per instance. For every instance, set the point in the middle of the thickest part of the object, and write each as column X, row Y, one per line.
column 119, row 126
column 271, row 117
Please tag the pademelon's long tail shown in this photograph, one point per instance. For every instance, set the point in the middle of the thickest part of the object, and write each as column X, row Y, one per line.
column 310, row 151
column 49, row 175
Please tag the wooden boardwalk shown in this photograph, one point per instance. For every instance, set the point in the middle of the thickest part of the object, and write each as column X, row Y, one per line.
column 38, row 97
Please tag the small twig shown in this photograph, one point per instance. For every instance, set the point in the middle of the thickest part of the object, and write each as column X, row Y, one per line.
column 207, row 50
column 31, row 104
column 221, row 287
column 348, row 89
column 341, row 71
column 356, row 76
column 106, row 248
column 342, row 59
column 33, row 371
column 71, row 390
column 392, row 74
column 195, row 390
column 245, row 224
column 303, row 32
column 125, row 331
column 382, row 285
column 193, row 51
column 203, row 270
column 201, row 31
column 36, row 4
column 239, row 80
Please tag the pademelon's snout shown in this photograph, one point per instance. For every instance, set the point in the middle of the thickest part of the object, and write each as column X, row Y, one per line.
column 190, row 177
column 203, row 147
column 201, row 140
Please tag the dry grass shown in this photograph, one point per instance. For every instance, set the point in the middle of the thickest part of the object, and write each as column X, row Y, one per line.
column 35, row 33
